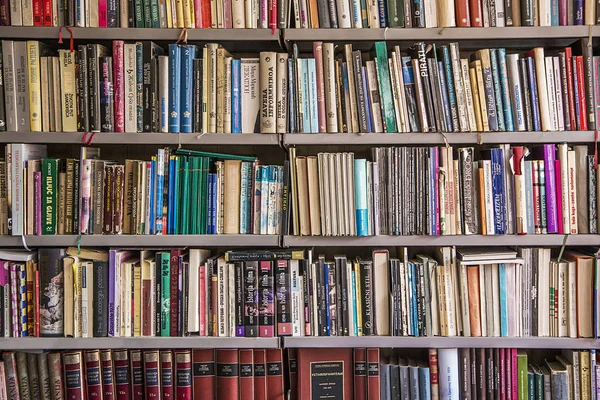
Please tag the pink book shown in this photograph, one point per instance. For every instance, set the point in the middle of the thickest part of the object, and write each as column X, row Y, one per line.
column 37, row 206
column 437, row 190
column 102, row 14
column 14, row 284
column 202, row 300
column 227, row 15
column 198, row 14
column 318, row 54
column 264, row 16
column 514, row 373
column 510, row 298
column 559, row 205
column 502, row 370
column 119, row 89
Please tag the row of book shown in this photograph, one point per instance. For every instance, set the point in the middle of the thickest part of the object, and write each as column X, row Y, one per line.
column 296, row 13
column 259, row 374
column 440, row 191
column 124, row 374
column 176, row 192
column 189, row 292
column 140, row 87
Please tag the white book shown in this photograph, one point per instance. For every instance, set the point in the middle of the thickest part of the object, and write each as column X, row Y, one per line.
column 238, row 14
column 27, row 12
column 563, row 326
column 22, row 85
column 310, row 98
column 459, row 87
column 401, row 89
column 431, row 17
column 249, row 13
column 449, row 388
column 297, row 298
column 564, row 184
column 129, row 82
column 80, row 14
column 350, row 192
column 374, row 97
column 395, row 94
column 124, row 14
column 464, row 65
column 500, row 16
column 516, row 94
column 544, row 13
column 342, row 199
column 84, row 299
column 343, row 13
column 227, row 93
column 550, row 82
column 329, row 78
column 571, row 298
column 488, row 197
column 540, row 65
column 163, row 93
column 496, row 299
column 543, row 291
column 268, row 77
column 281, row 108
column 334, row 193
column 20, row 153
column 381, row 298
column 16, row 13
column 10, row 100
column 197, row 257
column 560, row 113
column 127, row 317
column 250, row 98
column 356, row 14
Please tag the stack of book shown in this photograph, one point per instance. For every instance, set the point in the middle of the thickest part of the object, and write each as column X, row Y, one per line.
column 145, row 13
column 266, row 293
column 439, row 191
column 143, row 374
column 177, row 192
column 141, row 87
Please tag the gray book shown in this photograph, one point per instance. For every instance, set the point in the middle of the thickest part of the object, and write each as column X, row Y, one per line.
column 559, row 380
column 395, row 382
column 21, row 86
column 404, row 380
column 581, row 153
column 414, row 380
column 385, row 386
column 34, row 378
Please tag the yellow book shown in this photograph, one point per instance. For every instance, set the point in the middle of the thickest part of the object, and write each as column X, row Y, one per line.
column 67, row 86
column 77, row 282
column 211, row 74
column 192, row 14
column 475, row 91
column 221, row 77
column 35, row 90
column 169, row 10
column 179, row 10
column 69, row 295
column 137, row 299
column 358, row 298
column 585, row 375
column 481, row 90
column 187, row 13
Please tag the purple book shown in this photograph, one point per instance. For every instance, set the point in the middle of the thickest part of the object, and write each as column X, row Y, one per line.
column 551, row 207
column 112, row 270
column 37, row 206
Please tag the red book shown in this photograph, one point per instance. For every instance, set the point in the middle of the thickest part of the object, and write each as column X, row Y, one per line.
column 570, row 89
column 4, row 13
column 102, row 14
column 183, row 366
column 559, row 205
column 38, row 14
column 463, row 19
column 227, row 374
column 166, row 374
column 260, row 374
column 514, row 377
column 204, row 373
column 47, row 10
column 108, row 375
column 175, row 253
column 360, row 374
column 293, row 371
column 137, row 375
column 316, row 368
column 502, row 369
column 275, row 383
column 272, row 14
column 93, row 374
column 121, row 361
column 318, row 54
column 197, row 14
column 206, row 18
column 433, row 371
column 476, row 13
column 146, row 300
column 73, row 375
column 152, row 374
column 246, row 375
column 119, row 85
column 562, row 13
column 583, row 123
column 373, row 374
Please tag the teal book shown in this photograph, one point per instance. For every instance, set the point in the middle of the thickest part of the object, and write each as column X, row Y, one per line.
column 360, row 197
column 185, row 185
column 203, row 198
column 147, row 13
column 497, row 89
column 154, row 14
column 194, row 166
column 308, row 98
column 385, row 87
column 138, row 8
column 50, row 195
column 506, row 98
column 503, row 300
column 165, row 294
column 312, row 90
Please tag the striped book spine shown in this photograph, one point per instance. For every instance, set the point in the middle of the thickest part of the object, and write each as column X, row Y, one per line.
column 22, row 300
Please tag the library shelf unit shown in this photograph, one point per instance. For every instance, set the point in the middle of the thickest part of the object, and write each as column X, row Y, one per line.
column 439, row 342
column 189, row 342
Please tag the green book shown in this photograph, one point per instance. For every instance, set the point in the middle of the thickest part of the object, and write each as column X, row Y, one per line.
column 203, row 197
column 395, row 13
column 193, row 216
column 522, row 378
column 185, row 185
column 147, row 14
column 154, row 17
column 531, row 385
column 176, row 205
column 165, row 293
column 385, row 87
column 49, row 195
column 139, row 14
column 218, row 156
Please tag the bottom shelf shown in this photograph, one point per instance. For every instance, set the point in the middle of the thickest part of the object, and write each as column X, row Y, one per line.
column 49, row 343
column 440, row 342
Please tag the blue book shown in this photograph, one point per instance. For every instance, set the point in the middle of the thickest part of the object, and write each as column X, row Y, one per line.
column 236, row 101
column 498, row 191
column 312, row 102
column 139, row 85
column 209, row 218
column 327, row 313
column 527, row 171
column 171, row 198
column 346, row 93
column 554, row 18
column 454, row 126
column 413, row 299
column 411, row 96
column 578, row 12
column 535, row 111
column 360, row 197
column 424, row 382
column 308, row 98
column 382, row 13
column 503, row 300
column 497, row 89
column 292, row 98
column 354, row 309
column 445, row 98
column 367, row 99
column 185, row 183
column 576, row 79
column 174, row 87
column 186, row 106
column 506, row 99
column 152, row 197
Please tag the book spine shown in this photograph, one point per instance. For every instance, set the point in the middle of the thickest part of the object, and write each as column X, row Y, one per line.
column 118, row 86
column 188, row 53
column 183, row 368
column 108, row 377
column 550, row 185
column 284, row 324
column 166, row 374
column 267, row 92
column 152, row 374
column 106, row 95
column 122, row 374
column 165, row 294
column 266, row 288
column 137, row 375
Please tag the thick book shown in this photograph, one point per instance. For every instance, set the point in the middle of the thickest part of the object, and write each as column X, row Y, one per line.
column 203, row 369
column 152, row 379
column 227, row 374
column 122, row 374
column 51, row 283
column 275, row 374
column 325, row 373
column 93, row 374
column 183, row 374
column 246, row 376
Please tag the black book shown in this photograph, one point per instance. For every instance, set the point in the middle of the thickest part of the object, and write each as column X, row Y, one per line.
column 69, row 12
column 285, row 201
column 155, row 111
column 51, row 291
column 534, row 291
column 150, row 51
column 465, row 373
column 324, row 17
column 489, row 373
column 342, row 293
column 411, row 95
column 2, row 106
column 360, row 92
column 395, row 382
column 343, row 107
column 366, row 282
column 130, row 13
column 94, row 52
column 198, row 87
column 250, row 298
column 239, row 299
column 321, row 297
column 158, row 292
column 592, row 200
column 524, row 80
column 304, row 271
column 535, row 108
column 481, row 374
column 284, row 304
column 473, row 372
column 527, row 13
column 331, row 293
column 112, row 14
column 107, row 116
column 266, row 294
column 418, row 14
column 496, row 374
column 83, row 101
column 100, row 299
column 434, row 80
column 419, row 52
column 263, row 255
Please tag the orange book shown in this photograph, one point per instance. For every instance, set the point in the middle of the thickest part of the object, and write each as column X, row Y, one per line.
column 474, row 312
